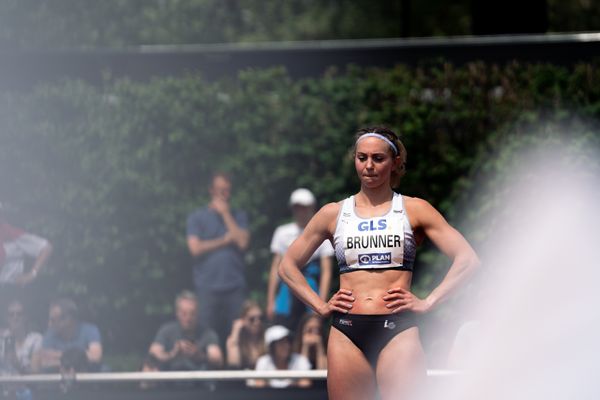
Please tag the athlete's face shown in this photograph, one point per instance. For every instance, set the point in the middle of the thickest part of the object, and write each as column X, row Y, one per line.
column 374, row 162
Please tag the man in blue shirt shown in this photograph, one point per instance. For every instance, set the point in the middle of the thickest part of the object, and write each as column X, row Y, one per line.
column 217, row 238
column 66, row 331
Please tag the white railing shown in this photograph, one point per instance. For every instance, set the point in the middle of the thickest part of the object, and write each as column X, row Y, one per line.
column 173, row 376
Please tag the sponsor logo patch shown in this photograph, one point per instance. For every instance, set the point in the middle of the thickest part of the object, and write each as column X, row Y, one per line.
column 389, row 324
column 346, row 322
column 372, row 226
column 374, row 258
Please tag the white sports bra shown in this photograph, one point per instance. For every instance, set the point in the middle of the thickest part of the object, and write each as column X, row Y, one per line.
column 385, row 242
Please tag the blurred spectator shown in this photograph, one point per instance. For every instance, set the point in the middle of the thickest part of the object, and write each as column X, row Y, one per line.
column 18, row 342
column 65, row 330
column 217, row 238
column 246, row 342
column 309, row 341
column 184, row 345
column 150, row 364
column 74, row 360
column 280, row 357
column 283, row 308
column 16, row 248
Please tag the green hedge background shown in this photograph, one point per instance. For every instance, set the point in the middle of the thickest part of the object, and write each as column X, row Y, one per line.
column 110, row 173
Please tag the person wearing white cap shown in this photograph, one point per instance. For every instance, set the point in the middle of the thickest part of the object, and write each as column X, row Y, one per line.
column 280, row 357
column 374, row 347
column 282, row 307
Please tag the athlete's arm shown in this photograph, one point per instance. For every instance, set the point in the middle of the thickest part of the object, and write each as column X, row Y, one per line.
column 325, row 280
column 450, row 242
column 318, row 229
column 272, row 288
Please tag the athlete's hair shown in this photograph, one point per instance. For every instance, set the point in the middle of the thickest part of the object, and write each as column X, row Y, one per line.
column 399, row 151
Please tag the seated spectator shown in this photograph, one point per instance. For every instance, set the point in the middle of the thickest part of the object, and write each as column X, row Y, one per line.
column 150, row 364
column 184, row 345
column 65, row 331
column 246, row 342
column 309, row 341
column 280, row 357
column 74, row 360
column 19, row 342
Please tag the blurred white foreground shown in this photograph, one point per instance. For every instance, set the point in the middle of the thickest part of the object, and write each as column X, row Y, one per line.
column 539, row 307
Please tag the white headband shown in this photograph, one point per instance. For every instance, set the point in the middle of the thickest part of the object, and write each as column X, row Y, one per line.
column 379, row 136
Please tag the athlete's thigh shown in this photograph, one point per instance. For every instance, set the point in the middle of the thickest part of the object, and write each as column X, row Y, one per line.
column 401, row 369
column 349, row 375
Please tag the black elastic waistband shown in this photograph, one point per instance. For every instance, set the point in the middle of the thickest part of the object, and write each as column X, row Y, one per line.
column 374, row 317
column 347, row 270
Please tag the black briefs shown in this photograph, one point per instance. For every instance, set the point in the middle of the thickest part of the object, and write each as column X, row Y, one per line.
column 370, row 333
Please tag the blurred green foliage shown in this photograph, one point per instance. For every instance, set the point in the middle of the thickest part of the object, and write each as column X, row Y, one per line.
column 32, row 24
column 110, row 173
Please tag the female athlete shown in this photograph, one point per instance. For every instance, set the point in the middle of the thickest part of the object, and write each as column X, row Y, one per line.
column 374, row 345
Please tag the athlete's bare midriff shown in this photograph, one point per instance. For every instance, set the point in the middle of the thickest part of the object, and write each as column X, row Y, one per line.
column 369, row 287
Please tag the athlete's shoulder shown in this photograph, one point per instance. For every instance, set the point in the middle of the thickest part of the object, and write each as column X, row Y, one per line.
column 420, row 211
column 326, row 217
column 415, row 202
column 331, row 209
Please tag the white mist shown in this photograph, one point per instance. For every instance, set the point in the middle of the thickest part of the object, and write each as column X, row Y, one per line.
column 539, row 305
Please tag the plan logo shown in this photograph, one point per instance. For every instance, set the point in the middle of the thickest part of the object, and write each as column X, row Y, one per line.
column 374, row 258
